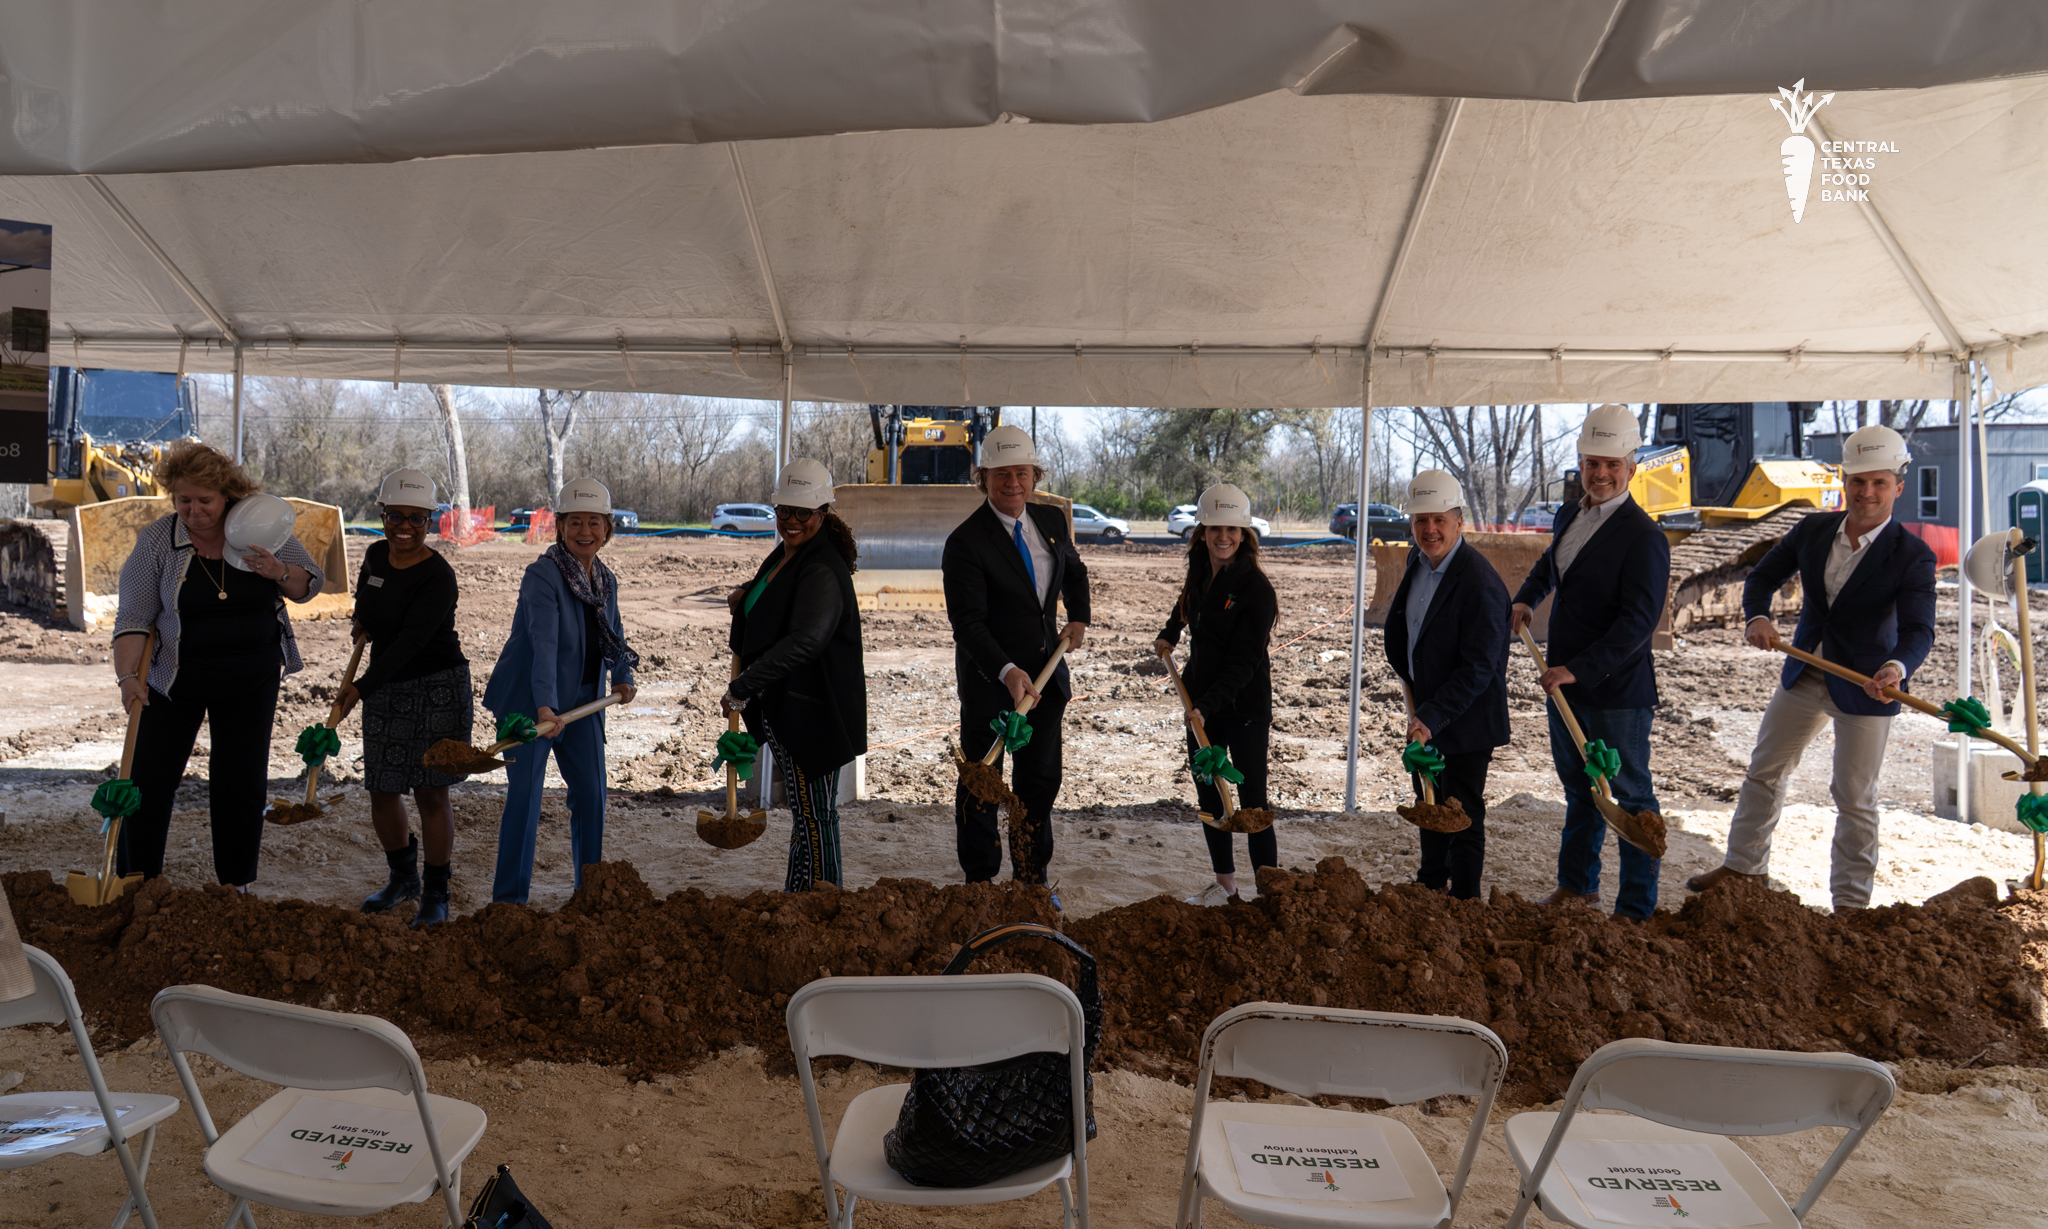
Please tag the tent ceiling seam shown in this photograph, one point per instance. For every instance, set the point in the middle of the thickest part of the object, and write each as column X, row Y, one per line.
column 1409, row 229
column 1599, row 45
column 739, row 172
column 163, row 258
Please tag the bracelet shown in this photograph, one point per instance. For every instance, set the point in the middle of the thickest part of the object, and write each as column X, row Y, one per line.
column 122, row 678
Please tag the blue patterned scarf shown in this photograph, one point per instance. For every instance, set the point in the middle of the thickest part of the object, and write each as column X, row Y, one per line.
column 595, row 589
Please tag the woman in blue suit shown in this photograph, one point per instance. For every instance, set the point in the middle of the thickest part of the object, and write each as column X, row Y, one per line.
column 566, row 638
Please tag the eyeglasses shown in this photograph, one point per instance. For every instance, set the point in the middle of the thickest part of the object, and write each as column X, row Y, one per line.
column 408, row 518
column 799, row 515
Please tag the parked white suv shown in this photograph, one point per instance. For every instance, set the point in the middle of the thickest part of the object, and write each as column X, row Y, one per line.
column 1181, row 522
column 743, row 518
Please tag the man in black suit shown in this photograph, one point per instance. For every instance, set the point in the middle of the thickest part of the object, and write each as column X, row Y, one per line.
column 1006, row 567
column 1867, row 602
column 1610, row 566
column 1447, row 637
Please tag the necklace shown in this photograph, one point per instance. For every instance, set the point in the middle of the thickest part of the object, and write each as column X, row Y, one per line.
column 220, row 584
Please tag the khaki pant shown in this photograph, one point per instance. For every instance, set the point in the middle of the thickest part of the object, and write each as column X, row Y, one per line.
column 1789, row 724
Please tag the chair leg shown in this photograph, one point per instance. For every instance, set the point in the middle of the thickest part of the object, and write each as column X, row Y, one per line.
column 846, row 1210
column 136, row 1170
column 1067, row 1214
column 453, row 1205
column 240, row 1212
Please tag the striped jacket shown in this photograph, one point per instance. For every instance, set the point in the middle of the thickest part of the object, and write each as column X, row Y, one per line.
column 149, row 595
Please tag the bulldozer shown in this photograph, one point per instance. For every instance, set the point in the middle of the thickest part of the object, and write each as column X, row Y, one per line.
column 1725, row 480
column 107, row 431
column 919, row 487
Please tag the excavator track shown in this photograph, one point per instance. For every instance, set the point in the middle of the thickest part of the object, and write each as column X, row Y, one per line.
column 1708, row 568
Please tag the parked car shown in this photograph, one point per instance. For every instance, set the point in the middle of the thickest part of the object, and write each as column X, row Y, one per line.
column 1088, row 523
column 743, row 518
column 1181, row 522
column 519, row 518
column 624, row 520
column 1538, row 516
column 1383, row 521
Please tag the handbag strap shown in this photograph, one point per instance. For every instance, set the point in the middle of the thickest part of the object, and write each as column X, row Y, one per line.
column 1089, row 990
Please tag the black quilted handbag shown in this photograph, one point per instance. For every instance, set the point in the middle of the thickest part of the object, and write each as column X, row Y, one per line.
column 966, row 1126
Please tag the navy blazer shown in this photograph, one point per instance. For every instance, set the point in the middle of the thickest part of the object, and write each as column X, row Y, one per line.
column 1885, row 611
column 1461, row 658
column 542, row 661
column 1607, row 606
column 995, row 611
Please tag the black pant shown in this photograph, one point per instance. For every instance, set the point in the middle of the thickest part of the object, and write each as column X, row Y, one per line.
column 1457, row 858
column 1036, row 780
column 240, row 707
column 1248, row 740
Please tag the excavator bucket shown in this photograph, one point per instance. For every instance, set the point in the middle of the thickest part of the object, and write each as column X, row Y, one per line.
column 103, row 534
column 902, row 531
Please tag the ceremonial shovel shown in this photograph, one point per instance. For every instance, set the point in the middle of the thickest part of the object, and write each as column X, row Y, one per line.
column 1234, row 819
column 283, row 812
column 1428, row 815
column 732, row 830
column 1644, row 830
column 980, row 776
column 462, row 759
column 116, row 800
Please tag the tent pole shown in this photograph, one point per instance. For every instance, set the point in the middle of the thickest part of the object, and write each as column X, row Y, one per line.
column 1966, row 393
column 238, row 403
column 163, row 258
column 782, row 433
column 1361, row 537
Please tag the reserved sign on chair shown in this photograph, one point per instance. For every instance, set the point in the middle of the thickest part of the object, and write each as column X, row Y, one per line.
column 1338, row 1164
column 318, row 1138
column 1647, row 1183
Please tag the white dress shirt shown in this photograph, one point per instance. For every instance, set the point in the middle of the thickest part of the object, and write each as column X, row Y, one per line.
column 1843, row 558
column 1041, row 560
column 1582, row 528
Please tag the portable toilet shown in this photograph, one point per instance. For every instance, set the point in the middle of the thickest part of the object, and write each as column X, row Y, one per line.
column 2030, row 513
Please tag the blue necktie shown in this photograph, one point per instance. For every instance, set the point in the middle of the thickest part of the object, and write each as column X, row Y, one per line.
column 1025, row 551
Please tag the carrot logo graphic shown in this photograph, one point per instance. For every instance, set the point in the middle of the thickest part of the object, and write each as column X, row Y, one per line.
column 1797, row 105
column 345, row 1159
column 1671, row 1201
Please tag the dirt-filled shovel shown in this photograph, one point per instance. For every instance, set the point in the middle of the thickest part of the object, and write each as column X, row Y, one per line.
column 738, row 751
column 316, row 743
column 2033, row 806
column 980, row 776
column 1214, row 763
column 1425, row 762
column 115, row 800
column 462, row 760
column 1643, row 829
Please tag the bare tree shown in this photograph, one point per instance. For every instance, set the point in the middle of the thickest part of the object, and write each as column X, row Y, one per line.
column 458, row 456
column 1485, row 448
column 564, row 403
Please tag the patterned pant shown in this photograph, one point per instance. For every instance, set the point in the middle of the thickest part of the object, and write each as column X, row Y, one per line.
column 814, row 820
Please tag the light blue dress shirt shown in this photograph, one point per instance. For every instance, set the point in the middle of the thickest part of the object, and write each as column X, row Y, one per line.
column 1421, row 592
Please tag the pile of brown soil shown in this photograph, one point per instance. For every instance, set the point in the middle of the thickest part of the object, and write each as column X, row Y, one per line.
column 619, row 976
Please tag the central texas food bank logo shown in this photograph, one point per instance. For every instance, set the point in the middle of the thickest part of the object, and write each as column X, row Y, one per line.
column 1797, row 106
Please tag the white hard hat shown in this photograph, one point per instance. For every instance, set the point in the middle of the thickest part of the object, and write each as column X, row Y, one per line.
column 407, row 488
column 803, row 483
column 1224, row 504
column 1610, row 431
column 1434, row 490
column 259, row 520
column 1007, row 445
column 1873, row 448
column 1989, row 562
column 584, row 495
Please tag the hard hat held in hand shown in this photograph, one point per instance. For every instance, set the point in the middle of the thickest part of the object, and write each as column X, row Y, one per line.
column 1610, row 431
column 407, row 488
column 1007, row 445
column 1874, row 448
column 803, row 483
column 260, row 520
column 1989, row 562
column 1434, row 490
column 584, row 495
column 1224, row 504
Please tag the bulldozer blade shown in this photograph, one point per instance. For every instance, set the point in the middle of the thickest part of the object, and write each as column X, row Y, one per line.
column 735, row 831
column 1446, row 816
column 86, row 889
column 102, row 536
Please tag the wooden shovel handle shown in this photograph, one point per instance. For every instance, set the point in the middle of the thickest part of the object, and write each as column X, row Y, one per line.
column 1408, row 701
column 732, row 771
column 1201, row 737
column 347, row 676
column 578, row 713
column 135, row 709
column 1037, row 684
column 1893, row 693
column 1564, row 709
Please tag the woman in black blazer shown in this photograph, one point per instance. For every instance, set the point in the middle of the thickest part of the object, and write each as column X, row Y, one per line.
column 1229, row 607
column 802, row 687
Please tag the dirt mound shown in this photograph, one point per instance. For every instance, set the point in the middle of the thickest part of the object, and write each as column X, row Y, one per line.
column 619, row 976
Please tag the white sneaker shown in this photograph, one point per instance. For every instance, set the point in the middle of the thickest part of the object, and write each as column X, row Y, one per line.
column 1210, row 896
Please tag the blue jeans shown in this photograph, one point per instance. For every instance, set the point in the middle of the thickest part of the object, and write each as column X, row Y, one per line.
column 579, row 752
column 1627, row 730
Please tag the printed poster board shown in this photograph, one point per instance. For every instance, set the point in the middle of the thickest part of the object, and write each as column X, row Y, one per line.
column 1649, row 1184
column 48, row 1126
column 318, row 1138
column 1336, row 1164
column 24, row 351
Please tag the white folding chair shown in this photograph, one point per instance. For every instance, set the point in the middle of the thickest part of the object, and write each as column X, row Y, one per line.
column 956, row 1021
column 357, row 1060
column 1694, row 1094
column 122, row 1115
column 1340, row 1052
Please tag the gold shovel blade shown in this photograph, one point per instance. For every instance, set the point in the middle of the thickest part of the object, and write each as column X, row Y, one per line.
column 87, row 890
column 735, row 831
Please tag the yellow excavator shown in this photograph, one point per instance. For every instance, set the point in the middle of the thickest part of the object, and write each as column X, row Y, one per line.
column 107, row 430
column 1726, row 480
column 919, row 487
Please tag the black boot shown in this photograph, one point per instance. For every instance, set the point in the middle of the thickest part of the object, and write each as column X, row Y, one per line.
column 405, row 878
column 434, row 900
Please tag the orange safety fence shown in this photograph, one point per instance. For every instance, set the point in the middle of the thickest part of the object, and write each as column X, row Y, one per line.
column 479, row 528
column 542, row 527
column 1944, row 539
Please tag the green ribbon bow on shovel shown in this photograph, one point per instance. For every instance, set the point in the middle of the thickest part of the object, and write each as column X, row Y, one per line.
column 317, row 742
column 740, row 749
column 517, row 727
column 1013, row 729
column 118, row 799
column 2034, row 812
column 1423, row 760
column 1602, row 761
column 1213, row 761
column 1967, row 716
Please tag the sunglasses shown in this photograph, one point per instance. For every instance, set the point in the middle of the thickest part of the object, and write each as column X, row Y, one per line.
column 799, row 515
column 408, row 518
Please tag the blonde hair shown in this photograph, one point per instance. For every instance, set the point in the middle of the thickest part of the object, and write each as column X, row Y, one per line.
column 203, row 465
column 979, row 476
